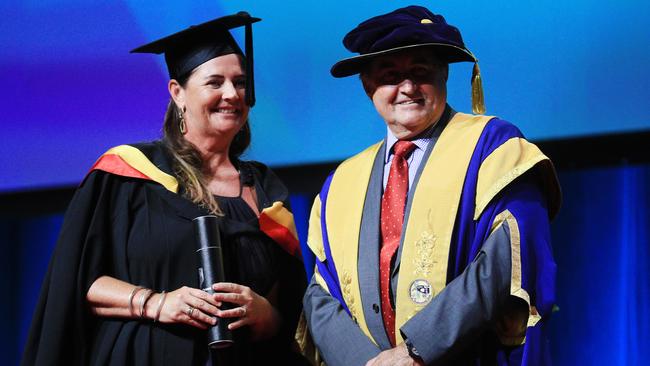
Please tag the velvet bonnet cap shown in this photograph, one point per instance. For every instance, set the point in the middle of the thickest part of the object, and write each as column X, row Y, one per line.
column 408, row 28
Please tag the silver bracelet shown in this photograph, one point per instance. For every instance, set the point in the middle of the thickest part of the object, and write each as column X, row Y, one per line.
column 143, row 300
column 160, row 305
column 133, row 292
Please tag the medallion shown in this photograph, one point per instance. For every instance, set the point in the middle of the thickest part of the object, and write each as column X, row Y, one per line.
column 420, row 291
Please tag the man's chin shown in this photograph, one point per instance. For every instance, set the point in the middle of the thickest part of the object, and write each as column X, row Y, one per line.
column 413, row 123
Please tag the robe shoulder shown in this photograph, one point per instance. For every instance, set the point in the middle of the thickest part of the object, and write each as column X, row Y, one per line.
column 148, row 161
column 503, row 155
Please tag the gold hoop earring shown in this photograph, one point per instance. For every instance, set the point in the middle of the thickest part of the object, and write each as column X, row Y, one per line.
column 181, row 124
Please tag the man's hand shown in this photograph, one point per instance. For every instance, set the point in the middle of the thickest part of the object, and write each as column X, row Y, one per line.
column 398, row 356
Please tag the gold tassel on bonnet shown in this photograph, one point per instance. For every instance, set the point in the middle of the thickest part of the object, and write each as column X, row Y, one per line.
column 478, row 101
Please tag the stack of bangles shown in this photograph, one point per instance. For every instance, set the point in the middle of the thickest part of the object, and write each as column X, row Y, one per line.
column 146, row 295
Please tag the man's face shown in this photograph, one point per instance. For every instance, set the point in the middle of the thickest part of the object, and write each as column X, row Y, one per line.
column 408, row 89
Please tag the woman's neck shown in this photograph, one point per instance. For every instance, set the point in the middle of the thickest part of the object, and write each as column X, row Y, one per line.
column 221, row 176
column 214, row 154
column 217, row 165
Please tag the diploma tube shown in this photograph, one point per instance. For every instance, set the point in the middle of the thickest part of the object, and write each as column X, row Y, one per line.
column 210, row 260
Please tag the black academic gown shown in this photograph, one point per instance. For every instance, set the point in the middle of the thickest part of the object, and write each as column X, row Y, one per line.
column 137, row 231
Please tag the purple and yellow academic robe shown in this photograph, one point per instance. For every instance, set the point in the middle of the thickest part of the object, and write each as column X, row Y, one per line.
column 481, row 181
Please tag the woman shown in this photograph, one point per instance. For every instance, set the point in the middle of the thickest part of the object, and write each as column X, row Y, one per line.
column 122, row 284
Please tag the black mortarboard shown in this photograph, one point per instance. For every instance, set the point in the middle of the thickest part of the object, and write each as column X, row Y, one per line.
column 406, row 28
column 197, row 44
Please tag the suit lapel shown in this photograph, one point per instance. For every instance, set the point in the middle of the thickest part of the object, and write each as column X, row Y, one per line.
column 368, row 261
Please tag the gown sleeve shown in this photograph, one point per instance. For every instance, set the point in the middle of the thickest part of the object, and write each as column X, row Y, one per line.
column 339, row 340
column 62, row 322
column 490, row 289
column 292, row 280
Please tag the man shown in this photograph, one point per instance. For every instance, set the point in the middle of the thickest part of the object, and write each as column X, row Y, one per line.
column 432, row 246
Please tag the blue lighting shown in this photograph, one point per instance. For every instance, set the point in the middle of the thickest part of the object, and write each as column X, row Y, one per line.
column 72, row 90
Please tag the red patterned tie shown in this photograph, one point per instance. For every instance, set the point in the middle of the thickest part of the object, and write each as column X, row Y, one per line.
column 392, row 218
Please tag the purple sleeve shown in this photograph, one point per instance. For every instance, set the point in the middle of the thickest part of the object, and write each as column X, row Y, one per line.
column 461, row 318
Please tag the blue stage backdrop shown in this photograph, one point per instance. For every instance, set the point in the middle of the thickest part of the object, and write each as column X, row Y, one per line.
column 601, row 241
column 556, row 69
column 71, row 89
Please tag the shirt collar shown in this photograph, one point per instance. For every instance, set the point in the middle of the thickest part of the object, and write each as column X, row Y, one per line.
column 421, row 141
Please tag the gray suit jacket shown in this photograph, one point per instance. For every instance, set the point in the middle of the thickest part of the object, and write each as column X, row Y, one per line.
column 435, row 330
column 452, row 320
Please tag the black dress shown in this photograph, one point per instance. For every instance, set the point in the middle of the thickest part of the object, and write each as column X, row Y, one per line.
column 137, row 231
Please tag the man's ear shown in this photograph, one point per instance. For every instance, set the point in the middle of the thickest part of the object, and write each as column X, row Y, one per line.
column 367, row 85
column 177, row 93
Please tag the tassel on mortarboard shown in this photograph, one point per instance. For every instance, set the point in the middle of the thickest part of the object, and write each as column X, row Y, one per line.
column 478, row 102
column 187, row 49
column 250, row 83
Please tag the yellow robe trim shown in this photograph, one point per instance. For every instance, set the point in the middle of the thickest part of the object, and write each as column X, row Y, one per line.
column 343, row 216
column 507, row 162
column 314, row 238
column 431, row 221
column 278, row 213
column 433, row 214
column 139, row 161
column 305, row 343
column 515, row 272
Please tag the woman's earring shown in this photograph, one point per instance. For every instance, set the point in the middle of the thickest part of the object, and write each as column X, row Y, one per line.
column 181, row 124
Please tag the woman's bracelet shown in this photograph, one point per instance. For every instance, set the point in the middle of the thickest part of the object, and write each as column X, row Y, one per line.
column 160, row 305
column 131, row 295
column 143, row 300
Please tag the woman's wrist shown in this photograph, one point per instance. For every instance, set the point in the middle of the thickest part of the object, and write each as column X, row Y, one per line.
column 277, row 322
column 131, row 299
column 273, row 325
column 151, row 306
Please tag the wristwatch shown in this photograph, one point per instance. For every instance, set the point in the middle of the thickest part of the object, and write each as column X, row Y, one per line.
column 411, row 349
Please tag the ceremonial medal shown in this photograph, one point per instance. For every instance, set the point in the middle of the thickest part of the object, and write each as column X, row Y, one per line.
column 420, row 291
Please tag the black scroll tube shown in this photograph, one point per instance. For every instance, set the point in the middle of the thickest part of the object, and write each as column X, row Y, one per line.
column 210, row 259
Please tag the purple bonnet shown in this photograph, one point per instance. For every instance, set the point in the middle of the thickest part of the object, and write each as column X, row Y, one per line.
column 406, row 28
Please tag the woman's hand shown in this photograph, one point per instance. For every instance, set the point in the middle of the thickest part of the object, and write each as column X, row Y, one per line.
column 109, row 297
column 188, row 305
column 252, row 310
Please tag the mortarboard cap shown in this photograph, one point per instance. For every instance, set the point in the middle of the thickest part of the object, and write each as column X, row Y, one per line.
column 191, row 47
column 408, row 28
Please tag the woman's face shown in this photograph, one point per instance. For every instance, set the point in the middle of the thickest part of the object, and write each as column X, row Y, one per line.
column 214, row 99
